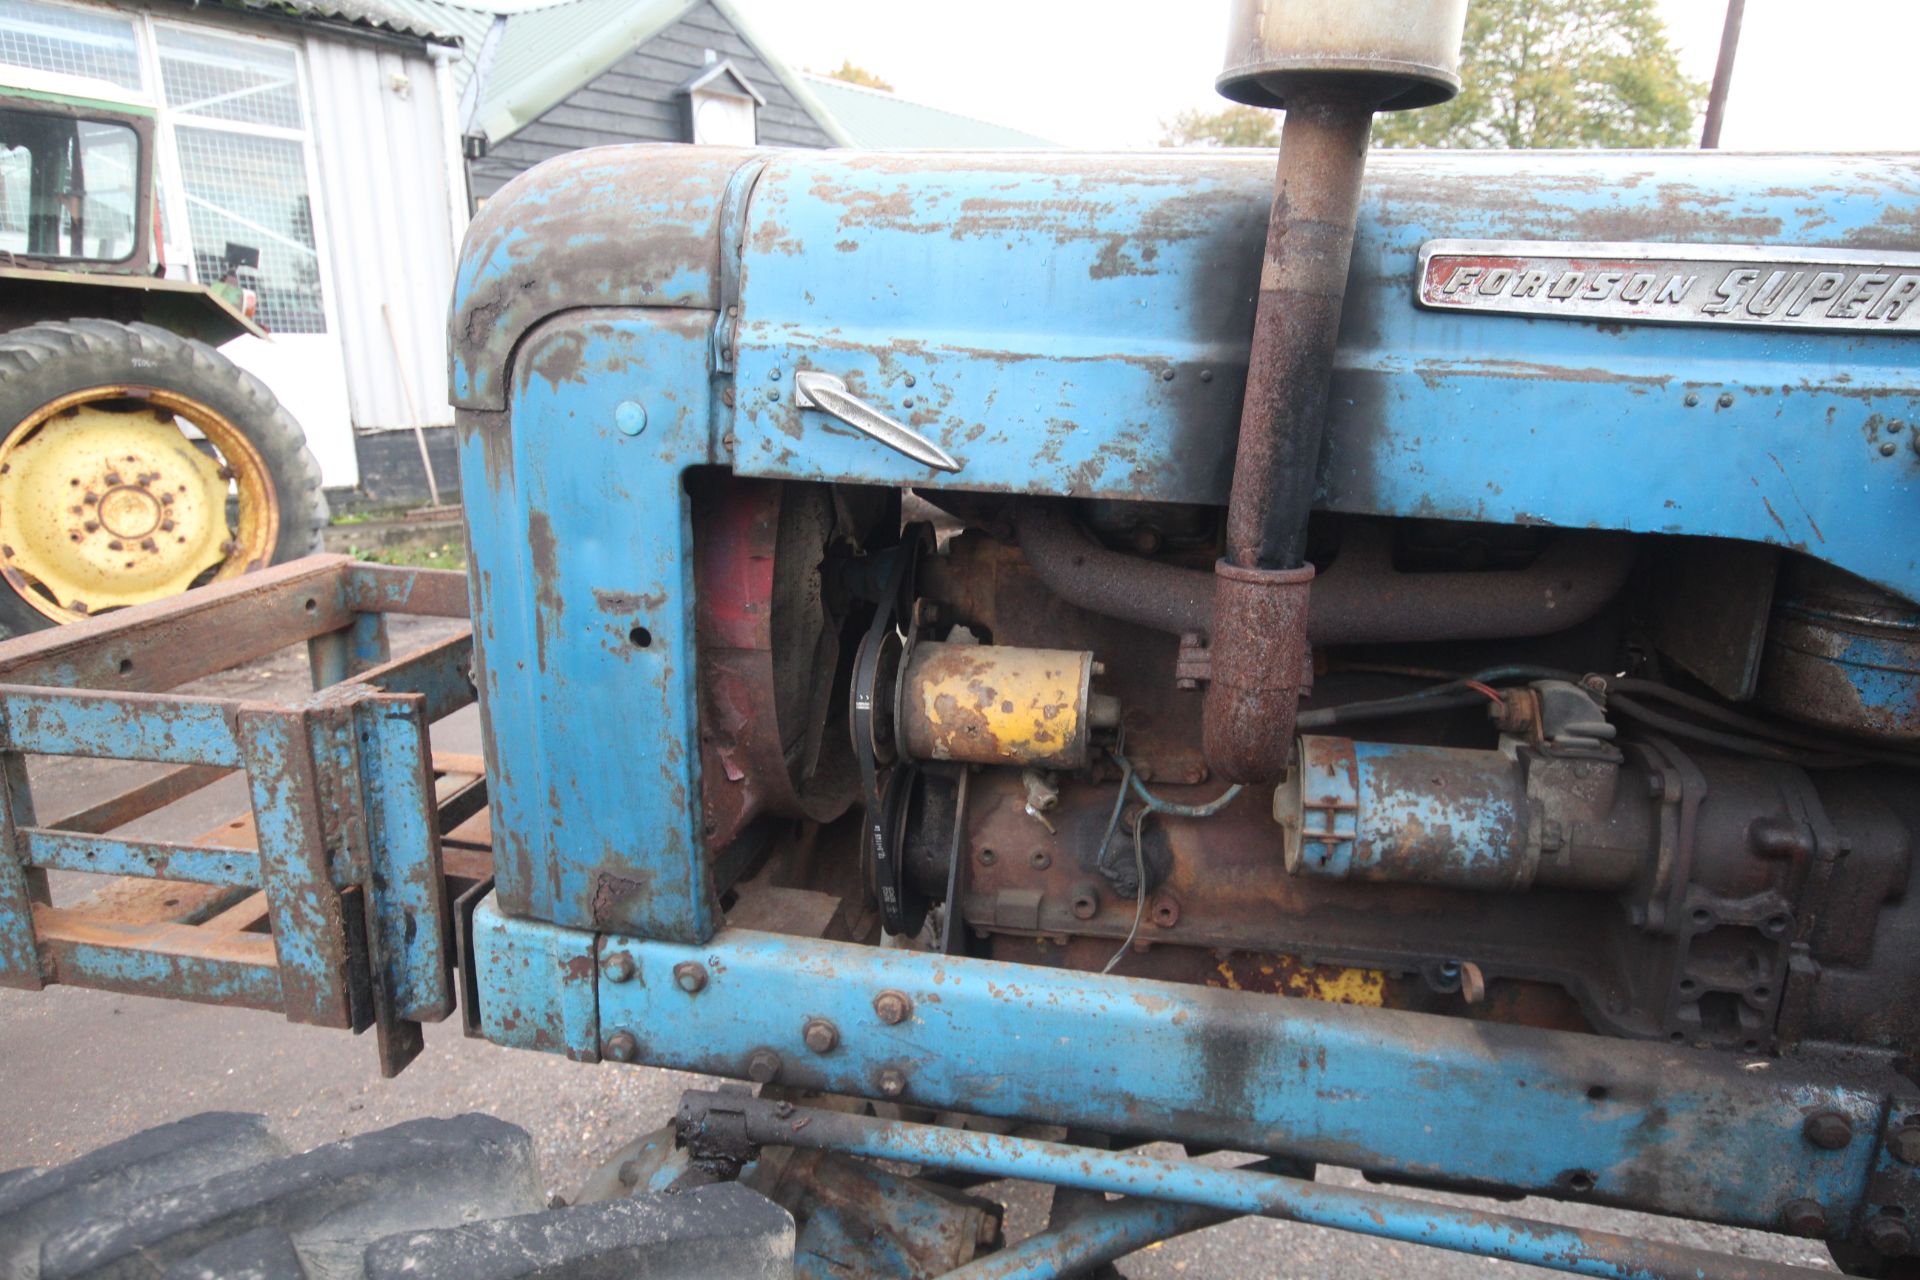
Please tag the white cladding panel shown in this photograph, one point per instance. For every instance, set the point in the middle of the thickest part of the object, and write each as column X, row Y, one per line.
column 382, row 145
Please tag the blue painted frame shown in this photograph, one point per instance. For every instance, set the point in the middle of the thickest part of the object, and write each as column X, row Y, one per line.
column 583, row 588
column 340, row 781
column 1417, row 1096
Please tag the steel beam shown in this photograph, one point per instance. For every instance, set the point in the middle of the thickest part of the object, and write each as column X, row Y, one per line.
column 1635, row 1124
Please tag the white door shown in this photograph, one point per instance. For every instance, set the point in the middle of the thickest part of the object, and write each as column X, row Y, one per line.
column 238, row 179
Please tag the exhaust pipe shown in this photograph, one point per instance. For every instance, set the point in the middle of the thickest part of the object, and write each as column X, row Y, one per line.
column 1330, row 64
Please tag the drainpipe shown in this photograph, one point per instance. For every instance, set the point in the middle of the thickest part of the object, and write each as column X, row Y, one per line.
column 1330, row 64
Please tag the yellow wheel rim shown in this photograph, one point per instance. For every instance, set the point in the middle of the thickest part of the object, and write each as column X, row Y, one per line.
column 106, row 501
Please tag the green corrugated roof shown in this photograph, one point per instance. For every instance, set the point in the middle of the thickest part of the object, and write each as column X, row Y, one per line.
column 874, row 118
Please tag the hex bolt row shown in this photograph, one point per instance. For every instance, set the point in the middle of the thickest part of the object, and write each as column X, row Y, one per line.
column 892, row 1007
column 690, row 977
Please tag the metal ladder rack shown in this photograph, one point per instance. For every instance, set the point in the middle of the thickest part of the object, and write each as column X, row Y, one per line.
column 347, row 875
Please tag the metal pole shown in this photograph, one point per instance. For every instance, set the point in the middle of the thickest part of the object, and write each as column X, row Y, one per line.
column 728, row 1126
column 1258, row 646
column 1722, row 75
column 1106, row 1234
column 1077, row 1247
column 406, row 389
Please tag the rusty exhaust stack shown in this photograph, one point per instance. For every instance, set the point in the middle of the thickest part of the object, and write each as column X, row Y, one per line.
column 1330, row 64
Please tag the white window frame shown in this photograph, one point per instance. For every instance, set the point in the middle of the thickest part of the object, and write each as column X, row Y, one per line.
column 172, row 182
column 88, row 86
column 166, row 159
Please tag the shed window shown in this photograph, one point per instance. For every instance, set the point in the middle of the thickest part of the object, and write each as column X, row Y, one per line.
column 723, row 120
column 721, row 105
column 248, row 212
column 208, row 75
column 74, row 42
column 235, row 107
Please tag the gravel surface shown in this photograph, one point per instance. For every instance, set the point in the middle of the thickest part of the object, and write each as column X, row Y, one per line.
column 82, row 1068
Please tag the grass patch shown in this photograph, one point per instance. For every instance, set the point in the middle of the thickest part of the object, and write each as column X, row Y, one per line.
column 445, row 555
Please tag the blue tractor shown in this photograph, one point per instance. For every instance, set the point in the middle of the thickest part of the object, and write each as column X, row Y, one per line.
column 1411, row 665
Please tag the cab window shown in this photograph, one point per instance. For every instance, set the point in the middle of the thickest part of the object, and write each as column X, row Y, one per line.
column 68, row 186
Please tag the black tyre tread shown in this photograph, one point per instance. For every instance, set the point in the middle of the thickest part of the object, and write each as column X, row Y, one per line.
column 266, row 1253
column 723, row 1229
column 432, row 1199
column 106, row 1181
column 53, row 357
column 331, row 1201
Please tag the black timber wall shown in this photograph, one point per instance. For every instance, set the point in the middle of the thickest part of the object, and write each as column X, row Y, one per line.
column 635, row 101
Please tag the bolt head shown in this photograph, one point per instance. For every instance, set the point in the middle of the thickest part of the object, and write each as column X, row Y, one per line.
column 820, row 1035
column 617, row 967
column 1726, row 400
column 1903, row 1144
column 892, row 1082
column 690, row 977
column 621, row 1047
column 1888, row 1236
column 1804, row 1217
column 1828, row 1130
column 763, row 1067
column 892, row 1007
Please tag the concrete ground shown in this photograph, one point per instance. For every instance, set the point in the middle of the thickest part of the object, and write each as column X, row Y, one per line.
column 81, row 1068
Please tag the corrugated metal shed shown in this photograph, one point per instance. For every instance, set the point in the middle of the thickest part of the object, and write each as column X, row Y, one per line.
column 384, row 178
column 878, row 119
column 399, row 17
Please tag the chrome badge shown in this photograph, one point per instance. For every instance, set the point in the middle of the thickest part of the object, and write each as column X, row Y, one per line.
column 1675, row 283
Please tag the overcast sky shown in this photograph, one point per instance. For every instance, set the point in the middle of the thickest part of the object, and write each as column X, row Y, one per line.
column 1812, row 74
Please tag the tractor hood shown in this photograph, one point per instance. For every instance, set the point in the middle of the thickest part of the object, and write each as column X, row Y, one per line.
column 1709, row 344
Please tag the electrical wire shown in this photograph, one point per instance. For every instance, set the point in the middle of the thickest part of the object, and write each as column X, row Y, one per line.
column 1130, row 783
column 1140, row 891
column 1624, row 695
column 1206, row 810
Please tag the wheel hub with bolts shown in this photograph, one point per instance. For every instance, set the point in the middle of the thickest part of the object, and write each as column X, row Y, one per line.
column 106, row 502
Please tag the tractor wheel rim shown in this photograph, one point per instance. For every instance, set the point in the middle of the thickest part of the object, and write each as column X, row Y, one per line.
column 105, row 501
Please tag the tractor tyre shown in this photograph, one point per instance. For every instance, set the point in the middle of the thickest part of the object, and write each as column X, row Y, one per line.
column 216, row 1196
column 134, row 464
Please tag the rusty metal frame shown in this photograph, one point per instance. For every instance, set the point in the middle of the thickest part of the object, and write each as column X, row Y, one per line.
column 342, row 786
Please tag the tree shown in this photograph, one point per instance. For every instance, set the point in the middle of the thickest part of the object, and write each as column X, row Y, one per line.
column 859, row 75
column 1558, row 73
column 1236, row 126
